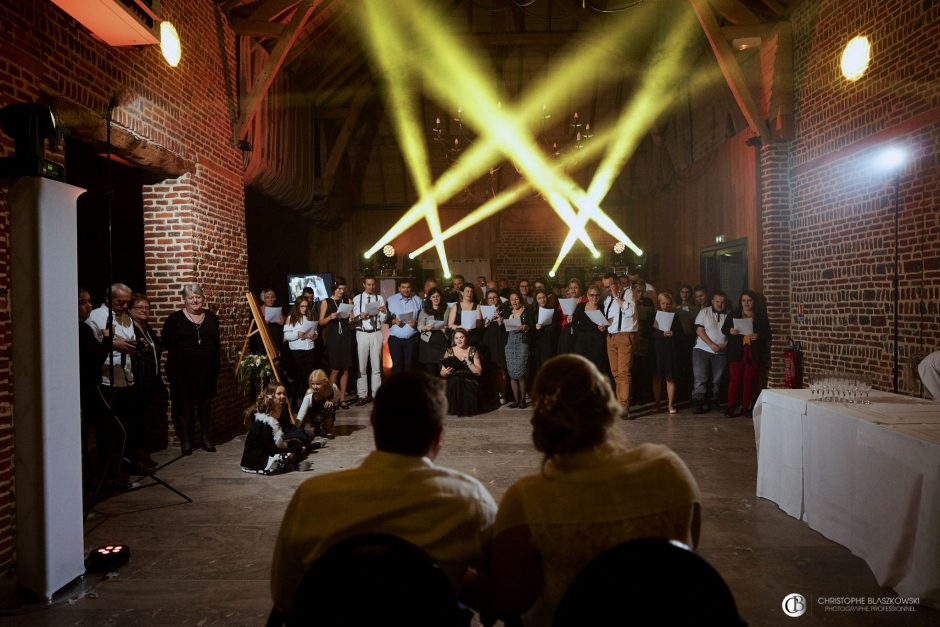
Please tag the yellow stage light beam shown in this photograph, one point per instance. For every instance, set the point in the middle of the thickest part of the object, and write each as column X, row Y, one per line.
column 388, row 55
column 443, row 62
column 569, row 75
column 519, row 190
column 653, row 98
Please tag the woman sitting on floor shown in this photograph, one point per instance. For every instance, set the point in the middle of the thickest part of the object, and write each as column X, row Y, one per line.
column 461, row 367
column 318, row 410
column 267, row 452
column 593, row 493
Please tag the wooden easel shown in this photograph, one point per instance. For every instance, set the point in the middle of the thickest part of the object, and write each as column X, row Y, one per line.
column 259, row 326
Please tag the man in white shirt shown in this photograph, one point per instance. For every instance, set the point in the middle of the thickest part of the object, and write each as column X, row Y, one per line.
column 397, row 490
column 403, row 335
column 117, row 371
column 620, row 310
column 369, row 312
column 708, row 356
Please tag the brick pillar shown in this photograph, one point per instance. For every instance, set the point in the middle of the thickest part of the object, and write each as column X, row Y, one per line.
column 775, row 234
column 194, row 232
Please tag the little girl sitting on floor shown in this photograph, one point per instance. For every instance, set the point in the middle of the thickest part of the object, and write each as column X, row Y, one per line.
column 266, row 450
column 318, row 410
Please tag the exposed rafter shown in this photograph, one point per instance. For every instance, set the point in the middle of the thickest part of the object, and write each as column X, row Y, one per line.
column 267, row 11
column 272, row 65
column 363, row 93
column 257, row 28
column 734, row 11
column 730, row 68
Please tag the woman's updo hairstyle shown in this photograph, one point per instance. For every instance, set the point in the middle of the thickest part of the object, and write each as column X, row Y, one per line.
column 573, row 406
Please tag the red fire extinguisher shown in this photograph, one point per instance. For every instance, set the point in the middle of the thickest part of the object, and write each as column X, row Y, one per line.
column 793, row 365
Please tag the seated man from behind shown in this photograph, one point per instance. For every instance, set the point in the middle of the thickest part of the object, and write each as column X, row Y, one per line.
column 397, row 490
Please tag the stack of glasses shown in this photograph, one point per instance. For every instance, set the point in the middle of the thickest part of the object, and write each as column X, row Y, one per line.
column 841, row 388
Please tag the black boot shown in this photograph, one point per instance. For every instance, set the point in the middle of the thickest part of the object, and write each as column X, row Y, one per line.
column 204, row 428
column 183, row 427
column 701, row 408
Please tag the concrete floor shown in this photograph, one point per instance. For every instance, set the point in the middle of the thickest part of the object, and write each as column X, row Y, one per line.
column 207, row 562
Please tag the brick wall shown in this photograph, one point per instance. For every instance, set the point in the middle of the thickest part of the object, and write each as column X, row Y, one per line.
column 842, row 208
column 194, row 225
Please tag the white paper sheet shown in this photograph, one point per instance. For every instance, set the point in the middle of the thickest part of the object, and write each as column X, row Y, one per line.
column 307, row 325
column 664, row 320
column 373, row 307
column 437, row 324
column 405, row 316
column 468, row 319
column 272, row 314
column 597, row 317
column 567, row 305
column 512, row 324
column 344, row 310
column 744, row 325
column 546, row 315
column 488, row 311
column 503, row 299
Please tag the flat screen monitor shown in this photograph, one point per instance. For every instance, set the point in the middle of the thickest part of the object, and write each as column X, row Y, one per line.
column 319, row 281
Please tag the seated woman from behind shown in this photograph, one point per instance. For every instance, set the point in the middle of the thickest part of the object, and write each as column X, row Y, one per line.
column 594, row 492
column 267, row 452
column 318, row 410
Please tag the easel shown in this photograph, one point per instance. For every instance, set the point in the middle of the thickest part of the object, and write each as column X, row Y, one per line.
column 259, row 326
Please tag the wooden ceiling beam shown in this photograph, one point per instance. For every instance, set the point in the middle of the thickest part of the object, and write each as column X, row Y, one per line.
column 748, row 30
column 266, row 76
column 775, row 7
column 271, row 9
column 257, row 28
column 781, row 100
column 363, row 93
column 730, row 68
column 322, row 23
column 734, row 11
column 228, row 5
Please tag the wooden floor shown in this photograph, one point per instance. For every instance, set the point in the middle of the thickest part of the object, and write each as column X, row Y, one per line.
column 207, row 562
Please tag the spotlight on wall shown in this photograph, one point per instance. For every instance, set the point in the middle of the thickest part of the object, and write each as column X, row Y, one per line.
column 170, row 44
column 890, row 159
column 855, row 58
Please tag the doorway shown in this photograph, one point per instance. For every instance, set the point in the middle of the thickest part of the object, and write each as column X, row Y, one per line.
column 724, row 267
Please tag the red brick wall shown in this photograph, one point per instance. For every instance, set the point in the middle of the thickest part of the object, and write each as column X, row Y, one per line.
column 842, row 211
column 194, row 226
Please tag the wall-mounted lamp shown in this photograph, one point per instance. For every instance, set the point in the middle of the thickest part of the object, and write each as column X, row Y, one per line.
column 855, row 58
column 170, row 44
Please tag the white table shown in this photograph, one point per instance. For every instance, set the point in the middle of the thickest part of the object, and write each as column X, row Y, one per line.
column 865, row 476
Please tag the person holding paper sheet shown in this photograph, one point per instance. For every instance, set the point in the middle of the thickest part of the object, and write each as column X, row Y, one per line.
column 748, row 350
column 433, row 332
column 300, row 333
column 709, row 358
column 620, row 310
column 369, row 313
column 667, row 337
column 493, row 348
column 517, row 347
column 338, row 336
column 403, row 310
column 590, row 335
column 461, row 367
column 274, row 317
column 546, row 330
column 466, row 312
column 566, row 333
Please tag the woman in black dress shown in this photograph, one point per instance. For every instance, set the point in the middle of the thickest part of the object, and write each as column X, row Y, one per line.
column 590, row 339
column 267, row 452
column 433, row 341
column 468, row 303
column 339, row 338
column 545, row 336
column 191, row 340
column 493, row 352
column 461, row 368
column 666, row 343
column 152, row 393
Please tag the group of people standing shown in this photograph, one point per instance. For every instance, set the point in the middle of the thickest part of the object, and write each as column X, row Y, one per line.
column 489, row 339
column 123, row 395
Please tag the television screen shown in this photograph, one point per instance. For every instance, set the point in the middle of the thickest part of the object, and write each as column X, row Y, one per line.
column 320, row 282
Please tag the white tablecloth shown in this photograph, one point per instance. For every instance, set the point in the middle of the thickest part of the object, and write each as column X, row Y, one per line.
column 865, row 476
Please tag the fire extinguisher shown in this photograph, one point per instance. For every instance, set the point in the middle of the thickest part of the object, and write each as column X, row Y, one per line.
column 793, row 365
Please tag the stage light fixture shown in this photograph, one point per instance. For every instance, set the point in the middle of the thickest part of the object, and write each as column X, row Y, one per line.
column 891, row 158
column 170, row 44
column 388, row 250
column 107, row 558
column 855, row 58
column 619, row 247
